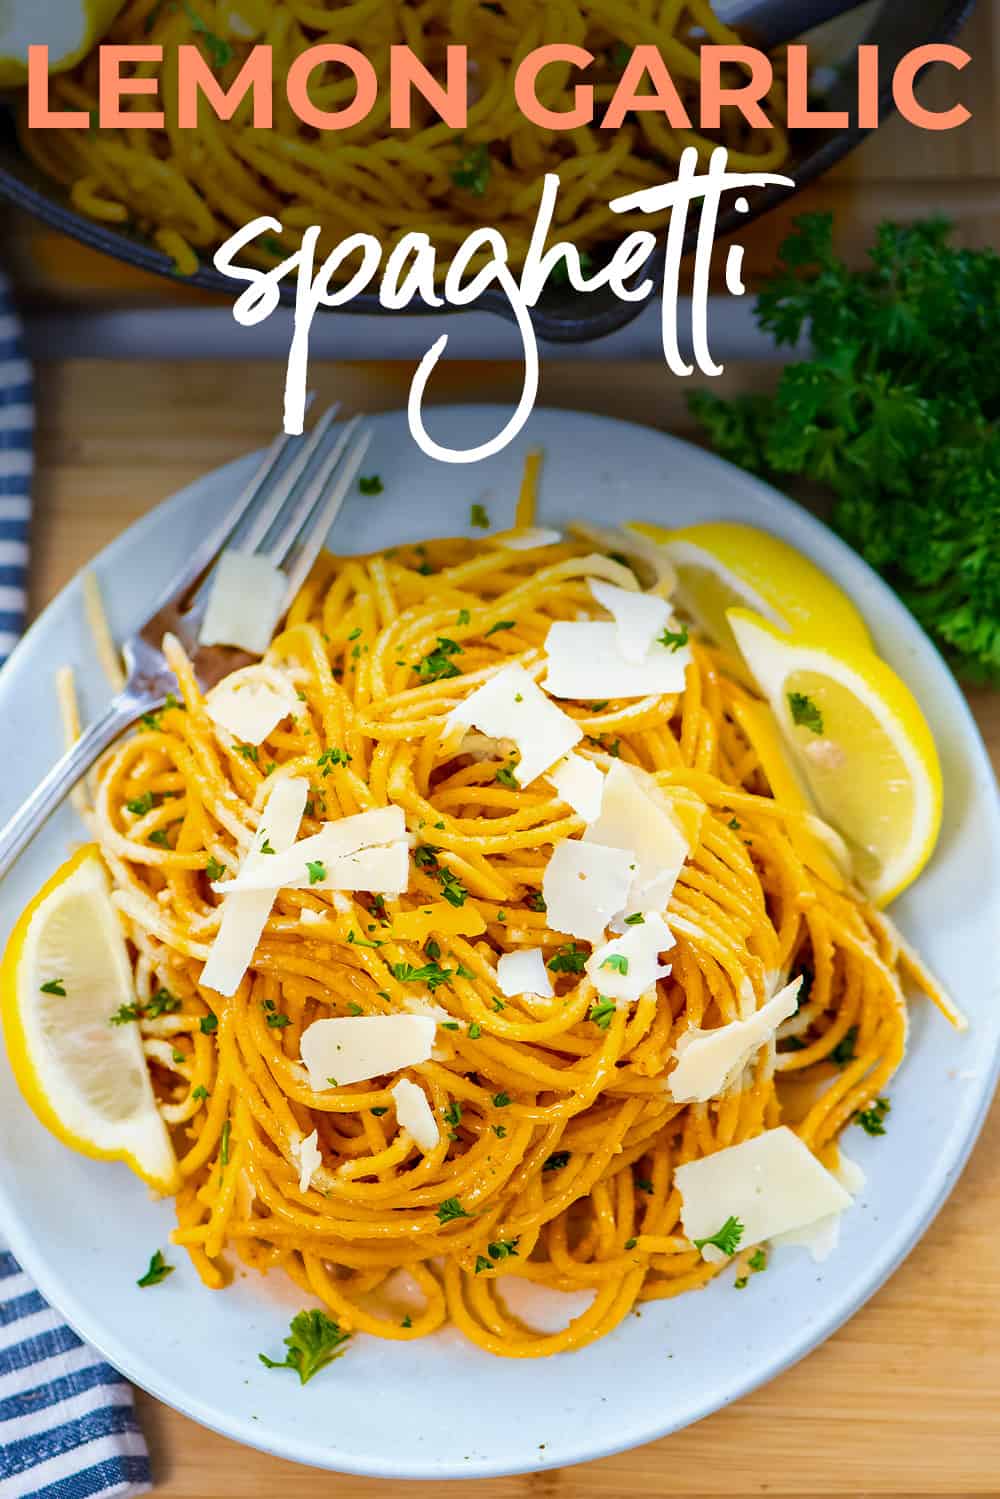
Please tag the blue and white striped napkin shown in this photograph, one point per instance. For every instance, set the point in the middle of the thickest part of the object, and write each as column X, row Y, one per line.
column 67, row 1422
column 16, row 462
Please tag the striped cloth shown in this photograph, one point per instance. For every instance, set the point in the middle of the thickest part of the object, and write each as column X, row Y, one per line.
column 16, row 426
column 67, row 1423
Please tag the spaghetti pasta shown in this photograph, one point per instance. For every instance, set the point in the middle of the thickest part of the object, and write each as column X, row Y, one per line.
column 557, row 1164
column 190, row 189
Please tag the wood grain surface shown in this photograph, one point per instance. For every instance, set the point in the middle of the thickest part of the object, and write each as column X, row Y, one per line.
column 903, row 1401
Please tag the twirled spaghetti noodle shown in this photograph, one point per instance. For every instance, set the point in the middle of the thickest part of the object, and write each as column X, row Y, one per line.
column 190, row 189
column 564, row 1139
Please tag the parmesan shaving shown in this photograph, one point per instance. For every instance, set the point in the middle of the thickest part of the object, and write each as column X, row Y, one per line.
column 245, row 913
column 635, row 815
column 415, row 1114
column 625, row 968
column 771, row 1184
column 246, row 599
column 511, row 705
column 249, row 704
column 580, row 784
column 711, row 1062
column 353, row 1049
column 524, row 972
column 639, row 618
column 310, row 1160
column 584, row 662
column 584, row 885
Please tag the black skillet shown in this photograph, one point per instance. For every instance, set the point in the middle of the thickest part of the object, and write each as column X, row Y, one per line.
column 562, row 316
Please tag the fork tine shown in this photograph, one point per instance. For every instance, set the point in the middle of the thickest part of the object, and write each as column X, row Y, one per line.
column 315, row 480
column 323, row 509
column 288, row 483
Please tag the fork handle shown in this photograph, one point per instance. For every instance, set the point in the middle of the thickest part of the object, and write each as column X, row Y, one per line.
column 121, row 713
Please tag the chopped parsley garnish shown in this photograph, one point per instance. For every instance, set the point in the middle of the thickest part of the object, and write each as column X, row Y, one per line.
column 535, row 901
column 556, row 1161
column 371, row 484
column 758, row 1260
column 425, row 857
column 734, row 824
column 805, row 712
column 464, row 617
column 500, row 1249
column 378, row 1111
column 201, row 1093
column 159, row 837
column 451, row 1209
column 140, row 805
column 331, row 757
column 158, row 1270
column 568, row 959
column 224, row 1142
column 601, row 1012
column 266, row 847
column 452, row 1115
column 124, row 1014
column 872, row 1120
column 214, row 869
column 501, row 1100
column 314, row 1342
column 317, row 870
column 162, row 1003
column 478, row 517
column 219, row 51
column 407, row 1321
column 501, row 624
column 249, row 752
column 674, row 639
column 475, row 1031
column 438, row 664
column 631, row 1243
column 645, row 1185
column 354, row 1009
column 431, row 974
column 617, row 962
column 727, row 1238
column 179, row 1056
column 208, row 1025
column 844, row 1052
column 636, row 919
column 472, row 172
column 55, row 986
column 500, row 1130
column 277, row 1020
column 505, row 776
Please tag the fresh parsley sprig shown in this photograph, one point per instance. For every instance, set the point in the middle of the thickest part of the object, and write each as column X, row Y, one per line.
column 314, row 1341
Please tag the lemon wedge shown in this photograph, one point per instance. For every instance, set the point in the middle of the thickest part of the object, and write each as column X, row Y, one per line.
column 860, row 742
column 69, row 28
column 722, row 566
column 64, row 973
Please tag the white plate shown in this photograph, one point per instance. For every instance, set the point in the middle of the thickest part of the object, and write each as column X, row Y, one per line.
column 439, row 1408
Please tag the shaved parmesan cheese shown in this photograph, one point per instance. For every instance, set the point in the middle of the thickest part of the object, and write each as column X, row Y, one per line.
column 245, row 912
column 309, row 1160
column 585, row 661
column 639, row 618
column 246, row 600
column 820, row 1238
column 773, row 1184
column 422, row 1004
column 710, row 1062
column 363, row 852
column 627, row 966
column 415, row 1114
column 579, row 783
column 635, row 815
column 526, row 538
column 512, row 706
column 850, row 1175
column 309, row 917
column 524, row 972
column 355, row 1048
column 584, row 885
column 439, row 917
column 249, row 704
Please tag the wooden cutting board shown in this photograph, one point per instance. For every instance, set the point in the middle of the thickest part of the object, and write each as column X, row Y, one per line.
column 903, row 1401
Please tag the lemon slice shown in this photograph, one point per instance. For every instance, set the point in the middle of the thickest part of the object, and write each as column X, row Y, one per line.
column 721, row 566
column 64, row 974
column 860, row 742
column 69, row 28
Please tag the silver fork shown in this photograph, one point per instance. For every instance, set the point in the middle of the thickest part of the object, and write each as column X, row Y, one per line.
column 285, row 513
